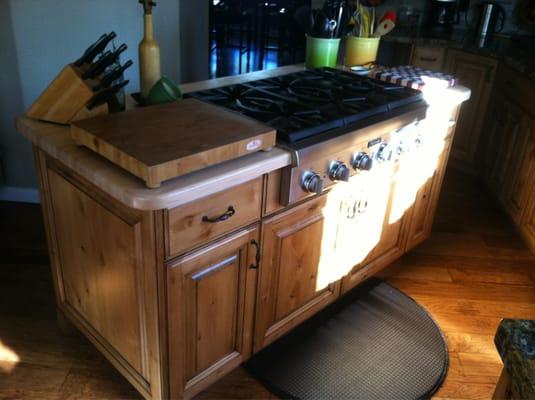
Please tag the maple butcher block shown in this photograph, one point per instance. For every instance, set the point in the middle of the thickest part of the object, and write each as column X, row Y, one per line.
column 179, row 285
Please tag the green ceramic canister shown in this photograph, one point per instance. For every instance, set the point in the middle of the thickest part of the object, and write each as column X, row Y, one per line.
column 321, row 52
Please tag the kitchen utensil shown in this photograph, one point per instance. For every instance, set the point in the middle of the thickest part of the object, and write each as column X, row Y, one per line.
column 364, row 21
column 339, row 20
column 95, row 49
column 164, row 91
column 491, row 18
column 113, row 75
column 386, row 24
column 105, row 95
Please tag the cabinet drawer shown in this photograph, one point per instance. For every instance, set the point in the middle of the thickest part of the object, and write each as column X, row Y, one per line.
column 428, row 57
column 205, row 219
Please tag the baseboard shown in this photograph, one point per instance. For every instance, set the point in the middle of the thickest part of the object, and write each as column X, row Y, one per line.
column 19, row 195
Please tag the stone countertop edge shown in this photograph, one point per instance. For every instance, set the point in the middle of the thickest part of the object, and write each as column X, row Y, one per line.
column 56, row 141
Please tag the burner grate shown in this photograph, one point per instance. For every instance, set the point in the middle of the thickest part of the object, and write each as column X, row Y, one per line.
column 307, row 103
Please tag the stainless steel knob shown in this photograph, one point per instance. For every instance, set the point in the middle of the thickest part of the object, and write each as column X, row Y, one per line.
column 362, row 162
column 338, row 171
column 312, row 182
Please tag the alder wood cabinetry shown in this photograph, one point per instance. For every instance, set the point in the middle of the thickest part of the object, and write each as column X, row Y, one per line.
column 428, row 57
column 177, row 296
column 296, row 268
column 507, row 155
column 103, row 267
column 476, row 73
column 369, row 238
column 210, row 307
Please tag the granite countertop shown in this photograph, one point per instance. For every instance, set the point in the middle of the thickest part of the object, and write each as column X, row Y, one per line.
column 515, row 341
column 517, row 52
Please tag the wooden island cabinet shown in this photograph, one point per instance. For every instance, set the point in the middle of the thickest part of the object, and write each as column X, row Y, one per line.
column 179, row 285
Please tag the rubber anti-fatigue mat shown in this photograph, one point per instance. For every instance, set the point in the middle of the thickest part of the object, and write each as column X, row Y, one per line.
column 377, row 343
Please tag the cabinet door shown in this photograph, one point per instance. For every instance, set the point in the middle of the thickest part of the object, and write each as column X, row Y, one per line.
column 298, row 275
column 504, row 150
column 518, row 178
column 495, row 126
column 528, row 220
column 211, row 296
column 369, row 231
column 476, row 73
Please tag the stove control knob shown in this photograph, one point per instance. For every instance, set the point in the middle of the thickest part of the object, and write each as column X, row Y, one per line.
column 362, row 162
column 312, row 182
column 338, row 171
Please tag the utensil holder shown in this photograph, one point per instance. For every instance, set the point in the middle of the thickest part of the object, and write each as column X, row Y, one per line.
column 361, row 50
column 65, row 99
column 321, row 52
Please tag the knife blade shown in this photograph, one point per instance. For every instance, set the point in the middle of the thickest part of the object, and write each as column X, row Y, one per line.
column 95, row 49
column 113, row 75
column 105, row 95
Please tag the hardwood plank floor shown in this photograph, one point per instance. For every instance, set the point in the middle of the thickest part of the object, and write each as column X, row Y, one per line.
column 473, row 271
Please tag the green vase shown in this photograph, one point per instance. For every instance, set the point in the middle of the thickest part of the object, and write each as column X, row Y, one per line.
column 321, row 52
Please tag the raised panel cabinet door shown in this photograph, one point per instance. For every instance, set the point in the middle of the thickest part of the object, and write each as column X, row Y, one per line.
column 422, row 212
column 476, row 73
column 519, row 176
column 298, row 275
column 101, row 277
column 495, row 125
column 502, row 159
column 527, row 226
column 211, row 295
column 369, row 232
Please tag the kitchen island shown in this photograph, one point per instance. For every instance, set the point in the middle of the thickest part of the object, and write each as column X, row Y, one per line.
column 179, row 285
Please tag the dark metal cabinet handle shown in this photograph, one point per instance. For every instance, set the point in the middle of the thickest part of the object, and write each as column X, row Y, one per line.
column 428, row 59
column 257, row 256
column 223, row 217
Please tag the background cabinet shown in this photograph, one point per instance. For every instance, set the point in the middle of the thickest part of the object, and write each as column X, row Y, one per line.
column 476, row 73
column 211, row 295
column 296, row 273
column 427, row 57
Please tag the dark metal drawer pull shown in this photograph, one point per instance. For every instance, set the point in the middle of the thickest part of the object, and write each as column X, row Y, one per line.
column 199, row 275
column 429, row 59
column 223, row 217
column 257, row 257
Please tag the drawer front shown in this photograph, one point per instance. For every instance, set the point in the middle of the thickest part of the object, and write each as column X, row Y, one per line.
column 199, row 222
column 428, row 58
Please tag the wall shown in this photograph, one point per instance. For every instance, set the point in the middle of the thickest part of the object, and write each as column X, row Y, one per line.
column 38, row 37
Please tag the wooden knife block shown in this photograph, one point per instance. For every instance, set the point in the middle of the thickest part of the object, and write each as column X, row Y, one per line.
column 65, row 99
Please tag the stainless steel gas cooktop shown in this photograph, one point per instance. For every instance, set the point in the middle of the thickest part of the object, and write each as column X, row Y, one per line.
column 311, row 102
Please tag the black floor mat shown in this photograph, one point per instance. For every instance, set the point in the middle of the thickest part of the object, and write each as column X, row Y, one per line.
column 376, row 343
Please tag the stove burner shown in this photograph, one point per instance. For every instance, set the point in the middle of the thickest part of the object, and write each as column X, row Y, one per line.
column 310, row 102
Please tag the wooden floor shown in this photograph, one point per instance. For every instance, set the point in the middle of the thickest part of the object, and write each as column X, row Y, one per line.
column 473, row 271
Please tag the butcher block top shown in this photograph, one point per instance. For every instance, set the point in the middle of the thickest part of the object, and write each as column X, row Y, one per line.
column 162, row 142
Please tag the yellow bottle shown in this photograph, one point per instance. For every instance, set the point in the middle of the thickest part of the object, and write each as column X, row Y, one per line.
column 149, row 54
